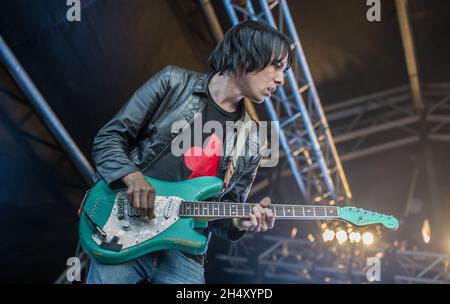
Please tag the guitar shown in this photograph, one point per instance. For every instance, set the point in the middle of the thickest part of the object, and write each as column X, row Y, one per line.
column 112, row 232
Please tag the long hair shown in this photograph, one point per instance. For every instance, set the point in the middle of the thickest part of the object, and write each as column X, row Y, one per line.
column 251, row 45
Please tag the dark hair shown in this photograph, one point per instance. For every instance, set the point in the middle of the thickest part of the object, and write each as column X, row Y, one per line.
column 252, row 45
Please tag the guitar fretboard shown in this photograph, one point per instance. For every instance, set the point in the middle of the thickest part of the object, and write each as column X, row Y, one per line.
column 229, row 210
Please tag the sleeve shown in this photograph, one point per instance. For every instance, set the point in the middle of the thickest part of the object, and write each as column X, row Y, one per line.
column 112, row 143
column 224, row 228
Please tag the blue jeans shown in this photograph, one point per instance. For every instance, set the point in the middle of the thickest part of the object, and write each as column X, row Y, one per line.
column 160, row 267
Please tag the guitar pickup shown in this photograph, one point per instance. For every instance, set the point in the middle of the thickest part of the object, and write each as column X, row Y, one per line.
column 168, row 209
column 133, row 212
column 120, row 208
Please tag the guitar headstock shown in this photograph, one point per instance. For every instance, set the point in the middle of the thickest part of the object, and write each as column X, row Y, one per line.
column 361, row 217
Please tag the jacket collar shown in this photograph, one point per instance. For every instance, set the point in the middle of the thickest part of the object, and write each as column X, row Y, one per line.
column 201, row 85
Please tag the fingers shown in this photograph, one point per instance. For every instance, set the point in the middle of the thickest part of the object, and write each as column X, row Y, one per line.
column 256, row 212
column 142, row 203
column 151, row 203
column 270, row 218
column 130, row 196
column 262, row 217
column 136, row 195
column 254, row 222
column 145, row 207
column 147, row 200
column 142, row 197
column 265, row 202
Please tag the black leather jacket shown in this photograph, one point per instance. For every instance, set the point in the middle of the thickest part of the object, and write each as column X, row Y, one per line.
column 140, row 133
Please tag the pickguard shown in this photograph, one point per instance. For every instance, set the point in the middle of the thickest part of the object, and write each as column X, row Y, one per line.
column 124, row 227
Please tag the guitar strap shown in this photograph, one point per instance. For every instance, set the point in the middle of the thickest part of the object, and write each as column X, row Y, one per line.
column 238, row 148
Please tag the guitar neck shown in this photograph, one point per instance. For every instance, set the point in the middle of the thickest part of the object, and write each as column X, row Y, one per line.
column 231, row 210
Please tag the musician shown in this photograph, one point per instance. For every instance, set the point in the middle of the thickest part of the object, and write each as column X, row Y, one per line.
column 249, row 63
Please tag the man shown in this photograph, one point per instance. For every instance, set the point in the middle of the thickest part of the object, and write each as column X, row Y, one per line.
column 249, row 63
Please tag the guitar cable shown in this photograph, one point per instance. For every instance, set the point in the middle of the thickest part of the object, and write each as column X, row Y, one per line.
column 97, row 227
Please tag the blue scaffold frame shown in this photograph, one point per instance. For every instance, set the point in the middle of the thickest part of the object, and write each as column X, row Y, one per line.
column 304, row 133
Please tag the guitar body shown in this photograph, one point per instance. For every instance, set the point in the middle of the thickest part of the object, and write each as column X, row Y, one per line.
column 128, row 237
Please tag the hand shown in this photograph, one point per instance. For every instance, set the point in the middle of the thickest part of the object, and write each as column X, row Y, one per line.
column 140, row 193
column 261, row 217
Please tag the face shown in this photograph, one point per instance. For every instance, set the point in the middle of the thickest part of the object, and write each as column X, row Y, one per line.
column 256, row 86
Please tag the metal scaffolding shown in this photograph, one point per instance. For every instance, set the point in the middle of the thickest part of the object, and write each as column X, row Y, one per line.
column 303, row 130
column 362, row 126
column 389, row 114
column 305, row 261
column 63, row 141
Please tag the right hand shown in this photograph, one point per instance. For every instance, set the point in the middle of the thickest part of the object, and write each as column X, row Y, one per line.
column 141, row 193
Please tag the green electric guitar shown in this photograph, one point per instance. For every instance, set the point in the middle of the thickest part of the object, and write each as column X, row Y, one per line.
column 112, row 232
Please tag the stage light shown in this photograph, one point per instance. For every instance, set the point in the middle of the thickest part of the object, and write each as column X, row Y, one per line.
column 285, row 250
column 354, row 237
column 328, row 235
column 367, row 238
column 341, row 236
column 426, row 231
column 294, row 232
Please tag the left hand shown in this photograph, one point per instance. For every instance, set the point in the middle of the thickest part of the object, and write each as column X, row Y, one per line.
column 261, row 217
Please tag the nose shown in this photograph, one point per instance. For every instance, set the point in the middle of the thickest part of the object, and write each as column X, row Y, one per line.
column 279, row 79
